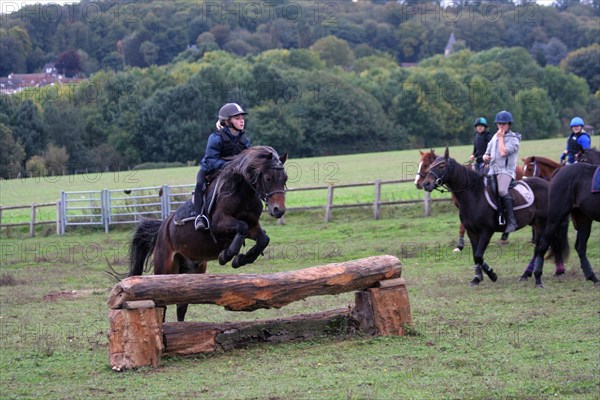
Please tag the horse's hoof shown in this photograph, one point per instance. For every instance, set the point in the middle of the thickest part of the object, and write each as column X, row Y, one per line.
column 457, row 250
column 238, row 261
column 492, row 275
column 559, row 273
column 474, row 282
column 222, row 260
column 539, row 286
column 523, row 278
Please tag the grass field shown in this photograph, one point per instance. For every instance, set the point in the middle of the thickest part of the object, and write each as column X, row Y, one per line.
column 500, row 340
column 320, row 171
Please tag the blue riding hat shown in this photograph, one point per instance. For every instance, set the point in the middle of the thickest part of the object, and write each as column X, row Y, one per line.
column 504, row 117
column 577, row 122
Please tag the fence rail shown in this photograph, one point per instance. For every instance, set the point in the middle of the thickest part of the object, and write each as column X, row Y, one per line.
column 117, row 206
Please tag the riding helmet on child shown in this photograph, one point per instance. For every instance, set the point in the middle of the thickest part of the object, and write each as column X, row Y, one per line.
column 504, row 117
column 230, row 110
column 577, row 122
column 480, row 121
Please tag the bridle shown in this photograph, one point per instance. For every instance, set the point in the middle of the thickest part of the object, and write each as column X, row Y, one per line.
column 439, row 179
column 265, row 196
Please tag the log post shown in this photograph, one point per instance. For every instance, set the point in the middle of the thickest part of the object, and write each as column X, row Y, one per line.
column 135, row 337
column 384, row 310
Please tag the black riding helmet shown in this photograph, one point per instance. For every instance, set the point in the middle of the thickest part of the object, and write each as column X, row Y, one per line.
column 230, row 110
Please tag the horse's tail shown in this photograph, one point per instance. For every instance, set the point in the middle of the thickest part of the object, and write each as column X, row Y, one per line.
column 142, row 245
column 559, row 242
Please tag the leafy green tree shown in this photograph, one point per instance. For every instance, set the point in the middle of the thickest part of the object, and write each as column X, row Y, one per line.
column 333, row 51
column 28, row 128
column 56, row 159
column 12, row 154
column 585, row 62
column 36, row 166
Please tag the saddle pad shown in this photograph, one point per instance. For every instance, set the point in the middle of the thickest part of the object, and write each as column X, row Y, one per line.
column 184, row 213
column 521, row 193
column 596, row 181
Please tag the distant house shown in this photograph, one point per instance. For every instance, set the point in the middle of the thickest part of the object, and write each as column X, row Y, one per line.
column 14, row 83
column 449, row 47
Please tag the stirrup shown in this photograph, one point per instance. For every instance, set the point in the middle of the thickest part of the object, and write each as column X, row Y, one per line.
column 201, row 222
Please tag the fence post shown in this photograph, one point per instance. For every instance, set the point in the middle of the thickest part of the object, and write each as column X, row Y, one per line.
column 58, row 218
column 165, row 202
column 32, row 222
column 427, row 202
column 63, row 212
column 329, row 203
column 0, row 217
column 105, row 209
column 377, row 199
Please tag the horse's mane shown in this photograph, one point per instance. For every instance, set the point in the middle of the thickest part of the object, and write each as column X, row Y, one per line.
column 248, row 165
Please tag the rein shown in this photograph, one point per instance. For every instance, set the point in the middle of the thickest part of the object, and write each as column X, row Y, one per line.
column 439, row 181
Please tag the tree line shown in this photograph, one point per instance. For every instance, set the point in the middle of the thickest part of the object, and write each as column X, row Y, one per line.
column 302, row 101
column 92, row 35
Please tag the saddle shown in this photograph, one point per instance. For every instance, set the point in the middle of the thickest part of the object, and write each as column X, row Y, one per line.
column 520, row 192
column 186, row 211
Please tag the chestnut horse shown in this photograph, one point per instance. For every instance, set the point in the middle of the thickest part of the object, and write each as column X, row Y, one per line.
column 540, row 167
column 254, row 176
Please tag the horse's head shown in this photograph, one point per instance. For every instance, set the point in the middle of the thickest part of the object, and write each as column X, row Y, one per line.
column 529, row 167
column 264, row 170
column 437, row 172
column 426, row 160
column 590, row 156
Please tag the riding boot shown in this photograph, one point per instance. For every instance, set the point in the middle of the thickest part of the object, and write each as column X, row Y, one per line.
column 201, row 221
column 511, row 222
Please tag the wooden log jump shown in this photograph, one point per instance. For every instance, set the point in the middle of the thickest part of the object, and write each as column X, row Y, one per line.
column 138, row 336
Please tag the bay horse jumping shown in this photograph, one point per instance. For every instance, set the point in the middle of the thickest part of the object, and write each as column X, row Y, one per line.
column 254, row 176
column 478, row 217
column 571, row 193
column 540, row 167
column 425, row 161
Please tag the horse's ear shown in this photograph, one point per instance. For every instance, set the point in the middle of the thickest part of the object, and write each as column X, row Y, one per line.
column 420, row 152
column 283, row 158
column 447, row 153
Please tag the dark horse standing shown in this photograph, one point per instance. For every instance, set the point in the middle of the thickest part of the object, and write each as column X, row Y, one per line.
column 478, row 217
column 426, row 160
column 571, row 193
column 255, row 175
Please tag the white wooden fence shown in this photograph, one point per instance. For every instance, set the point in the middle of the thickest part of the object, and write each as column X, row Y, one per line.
column 117, row 206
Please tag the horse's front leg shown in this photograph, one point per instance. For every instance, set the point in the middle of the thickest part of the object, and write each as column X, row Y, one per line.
column 262, row 241
column 228, row 226
column 479, row 242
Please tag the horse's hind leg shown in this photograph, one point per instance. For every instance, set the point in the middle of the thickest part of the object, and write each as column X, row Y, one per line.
column 584, row 228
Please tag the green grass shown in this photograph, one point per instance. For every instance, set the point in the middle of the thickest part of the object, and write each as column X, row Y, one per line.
column 500, row 340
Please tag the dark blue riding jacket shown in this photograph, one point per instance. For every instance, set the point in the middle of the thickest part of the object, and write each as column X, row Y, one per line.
column 577, row 143
column 480, row 142
column 222, row 144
